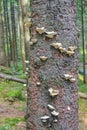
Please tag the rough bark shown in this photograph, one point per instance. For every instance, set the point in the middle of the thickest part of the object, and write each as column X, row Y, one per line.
column 58, row 16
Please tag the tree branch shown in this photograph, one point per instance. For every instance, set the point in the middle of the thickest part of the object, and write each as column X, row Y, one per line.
column 82, row 95
column 12, row 78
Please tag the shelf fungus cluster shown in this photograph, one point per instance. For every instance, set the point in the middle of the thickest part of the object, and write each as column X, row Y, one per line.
column 53, row 92
column 42, row 30
column 53, row 118
column 69, row 77
column 72, row 48
column 69, row 52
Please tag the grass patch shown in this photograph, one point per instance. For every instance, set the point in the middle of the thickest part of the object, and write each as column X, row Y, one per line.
column 5, row 70
column 11, row 89
column 10, row 123
column 83, row 105
column 82, row 86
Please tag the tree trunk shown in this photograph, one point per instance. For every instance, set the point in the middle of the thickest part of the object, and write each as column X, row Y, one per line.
column 22, row 35
column 53, row 78
column 2, row 45
column 26, row 22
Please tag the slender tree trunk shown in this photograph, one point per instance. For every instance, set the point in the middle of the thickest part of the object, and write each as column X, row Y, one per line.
column 25, row 9
column 2, row 45
column 22, row 35
column 14, row 44
column 53, row 78
column 83, row 41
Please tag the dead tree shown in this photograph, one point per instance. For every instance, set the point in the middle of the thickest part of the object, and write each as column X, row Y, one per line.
column 52, row 83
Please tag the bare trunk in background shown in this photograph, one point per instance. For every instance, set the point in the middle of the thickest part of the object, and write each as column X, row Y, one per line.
column 22, row 42
column 58, row 72
column 2, row 45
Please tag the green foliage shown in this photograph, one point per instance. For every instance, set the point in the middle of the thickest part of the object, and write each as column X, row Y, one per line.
column 15, row 93
column 5, row 70
column 83, row 104
column 8, row 123
column 11, row 89
column 82, row 86
column 5, row 127
column 13, row 121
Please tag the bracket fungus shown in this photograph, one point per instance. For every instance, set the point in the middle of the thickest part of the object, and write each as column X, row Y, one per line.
column 45, row 119
column 68, row 76
column 51, row 34
column 26, row 73
column 38, row 83
column 54, row 113
column 70, row 53
column 72, row 48
column 40, row 30
column 68, row 108
column 55, row 120
column 50, row 107
column 62, row 49
column 53, row 92
column 56, row 45
column 33, row 41
column 26, row 61
column 27, row 69
column 43, row 58
column 72, row 79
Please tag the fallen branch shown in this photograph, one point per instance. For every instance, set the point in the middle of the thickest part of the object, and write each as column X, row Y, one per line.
column 82, row 95
column 12, row 78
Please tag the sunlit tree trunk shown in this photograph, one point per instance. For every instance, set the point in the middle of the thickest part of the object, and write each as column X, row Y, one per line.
column 26, row 25
column 53, row 66
column 22, row 42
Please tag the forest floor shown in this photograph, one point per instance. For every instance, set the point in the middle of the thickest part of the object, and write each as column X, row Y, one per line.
column 12, row 115
column 82, row 114
column 13, row 106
